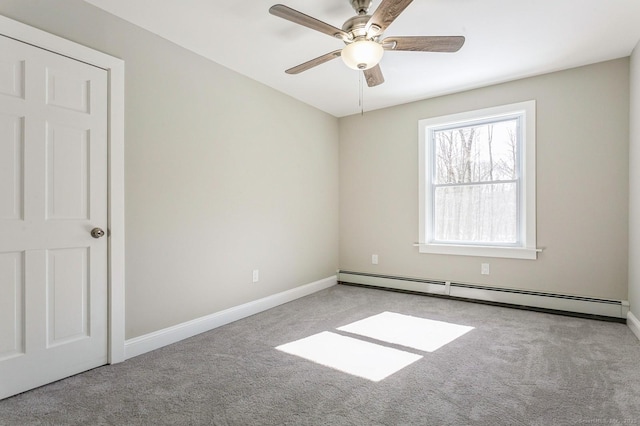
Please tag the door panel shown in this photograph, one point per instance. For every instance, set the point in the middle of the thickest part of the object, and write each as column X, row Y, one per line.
column 53, row 191
column 67, row 172
column 67, row 295
column 11, row 305
column 11, row 167
column 12, row 77
column 67, row 90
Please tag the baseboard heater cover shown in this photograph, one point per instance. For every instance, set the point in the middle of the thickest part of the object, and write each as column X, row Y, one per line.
column 522, row 298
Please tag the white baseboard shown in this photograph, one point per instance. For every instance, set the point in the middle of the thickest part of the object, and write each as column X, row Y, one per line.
column 157, row 339
column 559, row 302
column 634, row 324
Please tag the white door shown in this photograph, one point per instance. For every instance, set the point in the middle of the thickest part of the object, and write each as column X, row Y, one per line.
column 53, row 192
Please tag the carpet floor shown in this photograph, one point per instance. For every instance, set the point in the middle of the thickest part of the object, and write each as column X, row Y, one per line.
column 512, row 367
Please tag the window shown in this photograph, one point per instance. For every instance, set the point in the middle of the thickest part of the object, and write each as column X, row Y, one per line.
column 477, row 183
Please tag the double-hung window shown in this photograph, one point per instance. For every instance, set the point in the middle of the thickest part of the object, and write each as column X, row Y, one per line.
column 477, row 183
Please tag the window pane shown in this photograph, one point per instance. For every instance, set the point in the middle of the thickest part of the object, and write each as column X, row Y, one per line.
column 476, row 153
column 476, row 213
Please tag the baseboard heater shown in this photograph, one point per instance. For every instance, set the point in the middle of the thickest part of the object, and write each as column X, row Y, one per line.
column 615, row 310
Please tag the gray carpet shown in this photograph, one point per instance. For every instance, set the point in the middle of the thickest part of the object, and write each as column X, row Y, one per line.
column 515, row 368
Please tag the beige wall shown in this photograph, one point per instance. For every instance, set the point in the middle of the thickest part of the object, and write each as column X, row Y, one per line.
column 223, row 175
column 634, row 185
column 582, row 186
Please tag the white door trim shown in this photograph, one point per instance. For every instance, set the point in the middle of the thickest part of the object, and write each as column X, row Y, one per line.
column 115, row 126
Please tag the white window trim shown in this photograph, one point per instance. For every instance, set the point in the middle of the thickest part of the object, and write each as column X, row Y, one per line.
column 528, row 249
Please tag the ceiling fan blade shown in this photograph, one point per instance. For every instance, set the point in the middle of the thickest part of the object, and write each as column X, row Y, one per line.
column 424, row 43
column 314, row 62
column 374, row 76
column 384, row 15
column 300, row 18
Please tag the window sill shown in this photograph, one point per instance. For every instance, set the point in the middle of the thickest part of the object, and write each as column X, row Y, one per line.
column 481, row 251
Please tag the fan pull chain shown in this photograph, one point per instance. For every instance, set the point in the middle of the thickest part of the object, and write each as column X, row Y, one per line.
column 361, row 94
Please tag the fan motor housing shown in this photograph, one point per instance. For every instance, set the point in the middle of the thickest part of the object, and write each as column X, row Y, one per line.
column 356, row 26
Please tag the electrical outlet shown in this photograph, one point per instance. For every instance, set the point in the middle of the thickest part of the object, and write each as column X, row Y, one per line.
column 256, row 275
column 374, row 259
column 484, row 268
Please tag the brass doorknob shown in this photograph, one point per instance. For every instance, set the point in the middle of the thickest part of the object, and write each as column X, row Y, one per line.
column 97, row 233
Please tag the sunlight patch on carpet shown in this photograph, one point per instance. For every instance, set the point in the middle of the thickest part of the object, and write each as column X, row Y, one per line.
column 412, row 332
column 352, row 356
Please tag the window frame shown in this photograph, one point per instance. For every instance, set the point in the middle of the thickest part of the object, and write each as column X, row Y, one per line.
column 525, row 248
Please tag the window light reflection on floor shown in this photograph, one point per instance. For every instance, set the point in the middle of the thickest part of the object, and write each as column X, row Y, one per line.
column 412, row 332
column 375, row 361
column 349, row 355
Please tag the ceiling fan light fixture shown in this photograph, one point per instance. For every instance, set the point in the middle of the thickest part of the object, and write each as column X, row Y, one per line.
column 362, row 54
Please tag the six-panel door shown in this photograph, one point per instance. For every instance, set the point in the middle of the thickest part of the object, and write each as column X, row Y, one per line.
column 53, row 192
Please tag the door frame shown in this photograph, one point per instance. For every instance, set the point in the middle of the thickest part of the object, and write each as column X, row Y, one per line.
column 115, row 165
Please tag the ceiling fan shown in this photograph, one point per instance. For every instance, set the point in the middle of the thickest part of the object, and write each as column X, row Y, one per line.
column 362, row 35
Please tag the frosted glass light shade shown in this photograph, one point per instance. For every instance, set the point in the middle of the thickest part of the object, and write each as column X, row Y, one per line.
column 362, row 55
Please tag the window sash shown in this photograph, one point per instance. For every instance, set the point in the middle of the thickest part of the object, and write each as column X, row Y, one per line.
column 518, row 117
column 470, row 210
column 483, row 182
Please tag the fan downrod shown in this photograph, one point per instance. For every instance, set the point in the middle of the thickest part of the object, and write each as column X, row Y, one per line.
column 361, row 6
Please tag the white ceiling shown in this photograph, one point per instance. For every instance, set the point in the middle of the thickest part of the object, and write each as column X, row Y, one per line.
column 505, row 40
